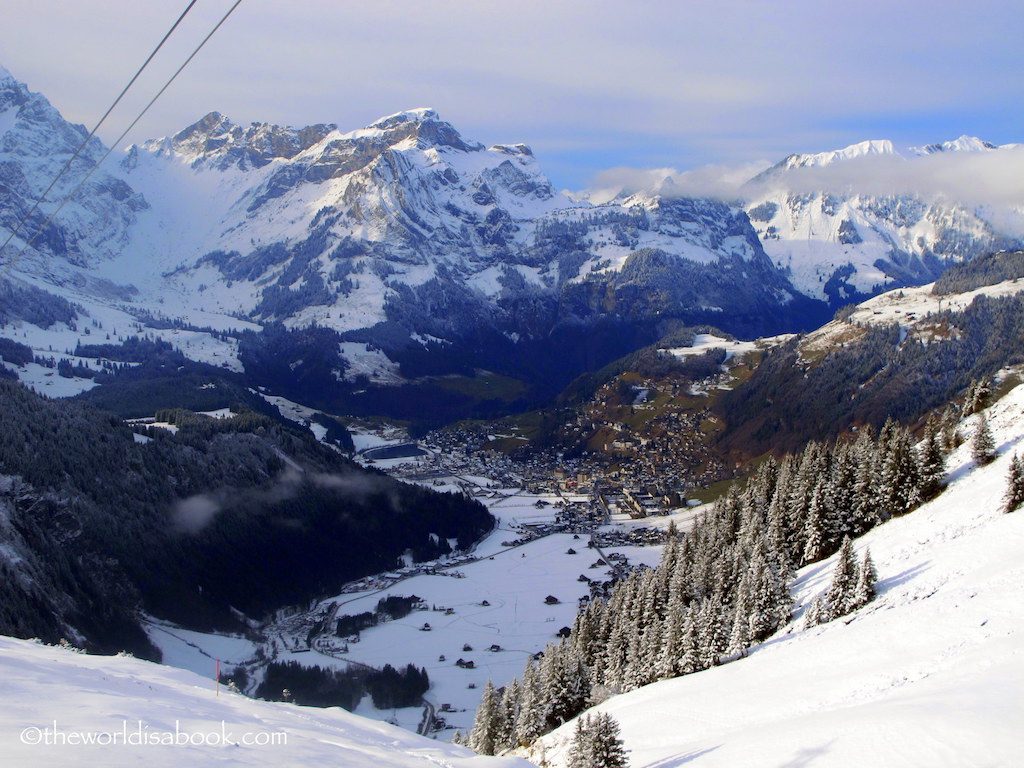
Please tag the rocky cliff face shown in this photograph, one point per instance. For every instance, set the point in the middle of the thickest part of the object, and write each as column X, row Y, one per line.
column 35, row 144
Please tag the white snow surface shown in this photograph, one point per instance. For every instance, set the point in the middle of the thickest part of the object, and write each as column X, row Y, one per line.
column 704, row 342
column 813, row 223
column 514, row 581
column 929, row 673
column 56, row 699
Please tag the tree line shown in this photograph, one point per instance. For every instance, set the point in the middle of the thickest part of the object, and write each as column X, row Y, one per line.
column 316, row 686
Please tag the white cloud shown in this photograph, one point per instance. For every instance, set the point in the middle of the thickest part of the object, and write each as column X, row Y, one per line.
column 973, row 178
column 193, row 514
column 991, row 182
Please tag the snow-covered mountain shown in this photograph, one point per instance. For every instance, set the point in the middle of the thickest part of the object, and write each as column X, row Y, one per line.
column 930, row 672
column 401, row 234
column 427, row 253
column 821, row 218
column 35, row 145
column 65, row 708
column 392, row 222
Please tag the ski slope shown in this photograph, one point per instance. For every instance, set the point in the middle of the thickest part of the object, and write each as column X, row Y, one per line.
column 64, row 708
column 930, row 673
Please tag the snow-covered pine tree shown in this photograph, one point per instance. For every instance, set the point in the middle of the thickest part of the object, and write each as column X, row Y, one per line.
column 580, row 751
column 778, row 514
column 931, row 460
column 840, row 595
column 816, row 612
column 1014, row 485
column 596, row 743
column 949, row 429
column 983, row 445
column 486, row 724
column 814, row 531
column 688, row 660
column 711, row 634
column 772, row 602
column 644, row 668
column 864, row 591
column 532, row 708
column 978, row 395
column 761, row 487
column 743, row 606
column 505, row 738
column 615, row 658
column 801, row 493
column 566, row 683
column 866, row 511
column 841, row 495
column 585, row 630
column 670, row 650
column 899, row 482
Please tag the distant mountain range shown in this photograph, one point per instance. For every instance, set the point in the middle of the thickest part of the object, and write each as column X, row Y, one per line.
column 423, row 253
column 842, row 243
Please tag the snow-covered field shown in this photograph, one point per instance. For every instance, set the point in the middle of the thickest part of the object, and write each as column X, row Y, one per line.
column 513, row 581
column 931, row 673
column 705, row 342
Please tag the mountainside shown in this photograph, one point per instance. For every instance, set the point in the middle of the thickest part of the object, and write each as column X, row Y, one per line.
column 407, row 239
column 35, row 144
column 927, row 672
column 840, row 244
column 337, row 228
column 205, row 521
column 897, row 355
column 175, row 717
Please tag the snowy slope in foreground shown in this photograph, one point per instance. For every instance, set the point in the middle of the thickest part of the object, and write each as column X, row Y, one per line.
column 930, row 673
column 97, row 697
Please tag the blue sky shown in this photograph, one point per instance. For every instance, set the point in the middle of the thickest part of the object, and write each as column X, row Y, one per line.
column 590, row 85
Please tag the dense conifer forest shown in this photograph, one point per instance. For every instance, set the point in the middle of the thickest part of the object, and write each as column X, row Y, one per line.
column 330, row 687
column 240, row 514
column 724, row 585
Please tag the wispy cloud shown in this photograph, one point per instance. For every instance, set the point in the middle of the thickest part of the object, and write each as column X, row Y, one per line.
column 193, row 514
column 971, row 178
column 991, row 180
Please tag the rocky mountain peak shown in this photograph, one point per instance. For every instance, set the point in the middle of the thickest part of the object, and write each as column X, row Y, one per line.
column 426, row 127
column 31, row 127
column 963, row 144
column 35, row 143
column 216, row 141
column 860, row 149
